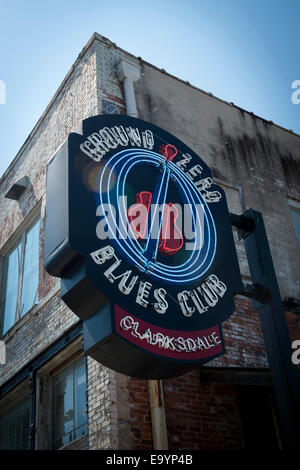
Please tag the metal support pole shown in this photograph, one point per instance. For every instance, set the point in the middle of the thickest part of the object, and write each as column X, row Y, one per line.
column 158, row 415
column 285, row 375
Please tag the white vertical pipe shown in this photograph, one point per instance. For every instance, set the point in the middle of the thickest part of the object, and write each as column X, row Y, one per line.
column 130, row 97
column 158, row 415
column 129, row 72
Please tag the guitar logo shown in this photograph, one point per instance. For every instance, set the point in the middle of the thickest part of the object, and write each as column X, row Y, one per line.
column 149, row 233
column 170, row 239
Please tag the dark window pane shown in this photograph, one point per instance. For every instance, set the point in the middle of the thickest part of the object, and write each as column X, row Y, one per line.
column 14, row 427
column 17, row 299
column 63, row 405
column 30, row 270
column 296, row 219
column 69, row 404
column 80, row 399
column 11, row 292
column 258, row 421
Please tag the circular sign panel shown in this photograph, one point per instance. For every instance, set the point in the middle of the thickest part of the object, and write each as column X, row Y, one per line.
column 146, row 252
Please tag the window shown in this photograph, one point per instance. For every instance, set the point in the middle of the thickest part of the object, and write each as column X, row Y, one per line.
column 14, row 427
column 69, row 404
column 20, row 287
column 295, row 213
column 61, row 402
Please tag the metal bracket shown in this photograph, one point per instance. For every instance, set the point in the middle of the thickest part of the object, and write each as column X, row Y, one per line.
column 244, row 224
column 292, row 305
column 257, row 292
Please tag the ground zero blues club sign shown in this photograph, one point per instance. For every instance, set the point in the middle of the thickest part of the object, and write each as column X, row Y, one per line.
column 140, row 236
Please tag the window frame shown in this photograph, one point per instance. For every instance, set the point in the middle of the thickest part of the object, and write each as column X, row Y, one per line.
column 18, row 237
column 294, row 205
column 54, row 372
column 44, row 392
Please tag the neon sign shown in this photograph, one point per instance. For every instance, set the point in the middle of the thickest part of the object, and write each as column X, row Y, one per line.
column 140, row 235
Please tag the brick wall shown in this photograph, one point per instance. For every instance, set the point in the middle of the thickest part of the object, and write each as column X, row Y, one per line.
column 102, row 410
column 243, row 338
column 140, row 415
column 108, row 86
column 201, row 415
column 293, row 321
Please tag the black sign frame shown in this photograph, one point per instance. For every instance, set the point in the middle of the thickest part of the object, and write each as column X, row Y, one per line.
column 81, row 177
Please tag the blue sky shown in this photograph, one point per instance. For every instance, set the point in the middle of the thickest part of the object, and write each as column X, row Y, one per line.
column 245, row 51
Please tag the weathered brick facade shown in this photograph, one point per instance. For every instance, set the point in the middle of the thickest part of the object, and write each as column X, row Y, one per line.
column 255, row 161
